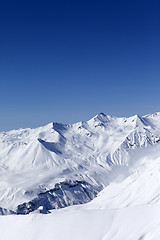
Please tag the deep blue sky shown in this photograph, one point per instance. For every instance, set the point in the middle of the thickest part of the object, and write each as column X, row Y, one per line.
column 68, row 60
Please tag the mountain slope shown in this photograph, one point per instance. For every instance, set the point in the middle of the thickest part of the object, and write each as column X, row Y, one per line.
column 131, row 223
column 90, row 155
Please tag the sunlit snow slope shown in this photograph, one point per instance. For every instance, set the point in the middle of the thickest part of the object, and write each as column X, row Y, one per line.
column 61, row 165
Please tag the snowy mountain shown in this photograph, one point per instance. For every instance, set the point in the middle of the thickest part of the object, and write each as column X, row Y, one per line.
column 61, row 165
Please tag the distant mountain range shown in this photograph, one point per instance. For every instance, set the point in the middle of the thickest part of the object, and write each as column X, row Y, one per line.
column 59, row 165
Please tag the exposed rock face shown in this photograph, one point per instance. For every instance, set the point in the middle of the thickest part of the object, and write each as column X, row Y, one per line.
column 4, row 211
column 60, row 165
column 62, row 195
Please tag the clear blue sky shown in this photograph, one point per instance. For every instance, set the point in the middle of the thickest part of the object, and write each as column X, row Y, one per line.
column 66, row 61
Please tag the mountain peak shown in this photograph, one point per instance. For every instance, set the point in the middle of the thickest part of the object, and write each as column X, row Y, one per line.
column 153, row 115
column 103, row 117
column 101, row 114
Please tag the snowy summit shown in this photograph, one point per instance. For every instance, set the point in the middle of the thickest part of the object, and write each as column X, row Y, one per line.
column 111, row 164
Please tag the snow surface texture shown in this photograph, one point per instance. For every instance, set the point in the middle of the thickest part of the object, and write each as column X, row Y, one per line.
column 61, row 165
column 132, row 223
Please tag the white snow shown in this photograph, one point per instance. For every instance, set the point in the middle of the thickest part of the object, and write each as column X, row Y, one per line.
column 131, row 223
column 121, row 155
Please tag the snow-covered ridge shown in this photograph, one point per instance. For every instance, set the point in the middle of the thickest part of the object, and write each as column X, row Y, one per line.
column 95, row 152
